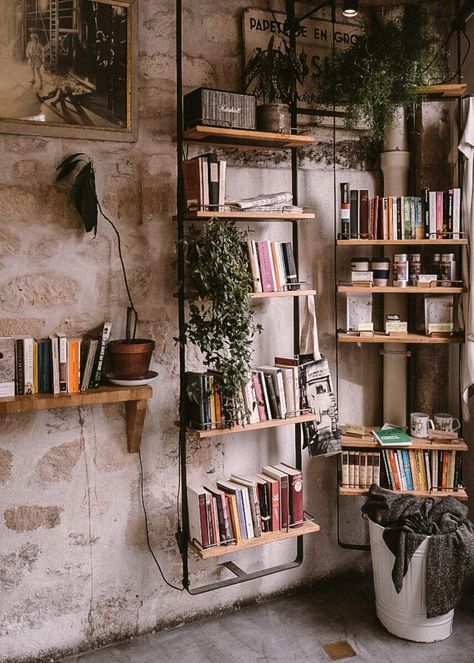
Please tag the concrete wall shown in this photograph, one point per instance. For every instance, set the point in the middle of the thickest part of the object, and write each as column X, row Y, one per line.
column 75, row 572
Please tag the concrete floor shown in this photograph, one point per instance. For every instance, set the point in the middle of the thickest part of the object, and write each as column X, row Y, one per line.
column 294, row 629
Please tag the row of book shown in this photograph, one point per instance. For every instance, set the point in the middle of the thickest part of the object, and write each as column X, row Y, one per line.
column 403, row 469
column 273, row 392
column 227, row 511
column 204, row 182
column 52, row 365
column 433, row 215
column 272, row 265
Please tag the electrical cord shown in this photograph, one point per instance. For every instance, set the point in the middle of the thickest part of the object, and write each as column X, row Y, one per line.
column 179, row 589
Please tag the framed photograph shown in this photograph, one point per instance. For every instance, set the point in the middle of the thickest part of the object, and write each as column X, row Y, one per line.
column 69, row 68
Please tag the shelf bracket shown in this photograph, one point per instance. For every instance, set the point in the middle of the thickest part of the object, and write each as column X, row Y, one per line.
column 135, row 414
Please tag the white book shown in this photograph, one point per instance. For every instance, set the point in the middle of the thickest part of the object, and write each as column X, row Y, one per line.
column 89, row 365
column 400, row 469
column 254, row 266
column 345, row 468
column 351, row 469
column 277, row 379
column 55, row 364
column 194, row 514
column 252, row 490
column 434, row 468
column 451, row 468
column 266, row 400
column 281, row 264
column 426, row 460
column 222, row 175
column 289, row 387
column 456, row 212
column 28, row 366
column 62, row 340
column 247, row 508
column 7, row 366
column 251, row 403
column 375, row 468
column 272, row 266
column 432, row 211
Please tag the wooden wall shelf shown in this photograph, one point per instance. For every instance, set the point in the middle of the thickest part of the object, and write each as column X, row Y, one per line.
column 135, row 399
column 273, row 423
column 368, row 442
column 249, row 216
column 459, row 494
column 409, row 290
column 308, row 527
column 403, row 338
column 245, row 138
column 443, row 90
column 286, row 293
column 401, row 242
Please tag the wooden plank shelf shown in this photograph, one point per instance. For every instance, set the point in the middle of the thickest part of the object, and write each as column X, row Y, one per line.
column 459, row 494
column 403, row 338
column 409, row 290
column 245, row 138
column 247, row 428
column 135, row 399
column 443, row 90
column 308, row 527
column 369, row 442
column 201, row 215
column 401, row 242
column 285, row 293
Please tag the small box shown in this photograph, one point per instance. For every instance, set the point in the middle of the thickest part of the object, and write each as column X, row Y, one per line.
column 396, row 327
column 362, row 277
column 219, row 108
column 427, row 280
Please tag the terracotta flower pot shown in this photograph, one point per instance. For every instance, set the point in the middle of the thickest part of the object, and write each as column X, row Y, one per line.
column 130, row 359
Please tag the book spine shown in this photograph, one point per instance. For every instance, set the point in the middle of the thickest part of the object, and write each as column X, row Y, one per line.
column 19, row 368
column 28, row 377
column 364, row 213
column 376, row 468
column 432, row 214
column 62, row 363
column 407, row 469
column 295, row 482
column 406, row 218
column 268, row 284
column 234, row 517
column 426, row 458
column 352, row 469
column 390, row 216
column 354, row 213
column 363, row 461
column 266, row 399
column 411, row 458
column 276, row 267
column 284, row 497
column 271, row 396
column 388, row 469
column 100, row 357
column 345, row 210
column 439, row 214
column 393, row 465
column 55, row 364
column 275, row 505
column 290, row 264
column 450, row 205
column 345, row 469
column 254, row 268
column 35, row 368
column 222, row 182
column 259, row 397
column 73, row 365
column 425, row 211
column 419, row 222
column 281, row 265
column 456, row 213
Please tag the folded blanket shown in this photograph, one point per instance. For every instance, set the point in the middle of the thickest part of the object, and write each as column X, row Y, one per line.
column 408, row 520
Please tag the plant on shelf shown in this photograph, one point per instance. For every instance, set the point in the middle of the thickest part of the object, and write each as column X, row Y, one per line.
column 272, row 74
column 129, row 355
column 382, row 70
column 220, row 319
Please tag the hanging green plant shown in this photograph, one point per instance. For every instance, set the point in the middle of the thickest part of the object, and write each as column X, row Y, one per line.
column 220, row 320
column 382, row 70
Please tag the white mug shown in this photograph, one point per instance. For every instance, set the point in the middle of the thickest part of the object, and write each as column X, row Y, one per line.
column 420, row 424
column 446, row 422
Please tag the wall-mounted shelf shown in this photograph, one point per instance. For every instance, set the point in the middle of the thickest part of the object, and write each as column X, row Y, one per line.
column 308, row 527
column 249, row 216
column 135, row 399
column 245, row 138
column 460, row 494
column 273, row 423
column 400, row 242
column 403, row 338
column 443, row 90
column 368, row 442
column 286, row 293
column 409, row 290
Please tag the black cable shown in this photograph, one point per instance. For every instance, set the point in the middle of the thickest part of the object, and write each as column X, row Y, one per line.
column 464, row 58
column 179, row 589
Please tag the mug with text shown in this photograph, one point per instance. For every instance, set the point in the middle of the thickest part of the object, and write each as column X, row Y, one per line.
column 420, row 424
column 446, row 422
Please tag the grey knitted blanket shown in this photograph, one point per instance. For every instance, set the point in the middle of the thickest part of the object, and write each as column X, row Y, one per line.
column 408, row 520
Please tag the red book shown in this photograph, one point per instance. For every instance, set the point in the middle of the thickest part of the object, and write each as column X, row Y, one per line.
column 364, row 213
column 295, row 493
column 439, row 214
column 192, row 184
column 393, row 465
column 264, row 258
column 282, row 478
column 197, row 510
column 259, row 395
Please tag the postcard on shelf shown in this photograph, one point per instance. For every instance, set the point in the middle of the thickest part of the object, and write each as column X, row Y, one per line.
column 7, row 367
column 439, row 316
column 427, row 280
column 392, row 437
column 359, row 311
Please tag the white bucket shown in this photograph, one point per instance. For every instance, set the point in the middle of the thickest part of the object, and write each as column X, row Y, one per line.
column 404, row 614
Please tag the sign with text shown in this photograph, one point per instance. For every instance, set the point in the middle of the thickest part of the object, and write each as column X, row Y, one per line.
column 315, row 38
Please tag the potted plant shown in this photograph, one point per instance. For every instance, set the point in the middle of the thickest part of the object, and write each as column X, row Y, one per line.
column 130, row 357
column 272, row 73
column 220, row 314
column 382, row 70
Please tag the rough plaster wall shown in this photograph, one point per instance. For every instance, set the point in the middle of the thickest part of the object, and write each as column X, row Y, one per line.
column 74, row 568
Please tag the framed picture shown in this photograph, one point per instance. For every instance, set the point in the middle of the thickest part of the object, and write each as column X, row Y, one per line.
column 69, row 68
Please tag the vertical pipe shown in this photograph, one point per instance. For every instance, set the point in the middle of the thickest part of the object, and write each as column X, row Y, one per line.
column 181, row 313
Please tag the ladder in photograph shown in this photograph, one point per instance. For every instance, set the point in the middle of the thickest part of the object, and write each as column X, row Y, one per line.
column 53, row 34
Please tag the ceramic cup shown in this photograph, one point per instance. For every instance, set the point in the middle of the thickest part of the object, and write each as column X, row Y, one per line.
column 381, row 269
column 420, row 424
column 446, row 422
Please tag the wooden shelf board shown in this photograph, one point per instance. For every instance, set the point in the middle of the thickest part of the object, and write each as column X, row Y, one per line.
column 400, row 242
column 460, row 494
column 135, row 399
column 390, row 289
column 368, row 442
column 443, row 90
column 403, row 338
column 286, row 293
column 245, row 138
column 273, row 423
column 249, row 216
column 308, row 527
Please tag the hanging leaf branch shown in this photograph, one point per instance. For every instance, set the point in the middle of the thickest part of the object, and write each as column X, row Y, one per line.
column 83, row 195
column 220, row 315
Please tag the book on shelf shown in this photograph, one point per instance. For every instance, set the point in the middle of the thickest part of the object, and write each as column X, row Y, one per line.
column 421, row 469
column 392, row 437
column 7, row 366
column 272, row 265
column 360, row 469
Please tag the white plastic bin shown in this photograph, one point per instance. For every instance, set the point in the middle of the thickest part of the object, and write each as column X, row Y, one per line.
column 404, row 614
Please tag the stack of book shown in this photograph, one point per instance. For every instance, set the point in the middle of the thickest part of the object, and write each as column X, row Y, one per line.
column 433, row 215
column 204, row 183
column 421, row 469
column 52, row 365
column 227, row 511
column 272, row 265
column 360, row 469
column 272, row 392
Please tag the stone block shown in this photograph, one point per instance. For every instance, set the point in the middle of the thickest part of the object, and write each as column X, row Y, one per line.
column 43, row 290
column 24, row 170
column 29, row 518
column 6, row 458
column 58, row 463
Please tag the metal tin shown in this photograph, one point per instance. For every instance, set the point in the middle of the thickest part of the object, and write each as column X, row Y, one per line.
column 447, row 269
column 400, row 270
column 414, row 267
column 360, row 264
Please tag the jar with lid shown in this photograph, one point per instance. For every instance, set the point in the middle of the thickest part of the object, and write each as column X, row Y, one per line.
column 414, row 267
column 400, row 270
column 447, row 269
column 436, row 264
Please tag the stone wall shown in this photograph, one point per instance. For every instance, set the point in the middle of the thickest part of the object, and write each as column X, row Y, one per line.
column 75, row 571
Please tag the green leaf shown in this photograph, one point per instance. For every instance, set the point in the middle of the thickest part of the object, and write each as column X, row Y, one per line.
column 71, row 158
column 89, row 209
column 67, row 169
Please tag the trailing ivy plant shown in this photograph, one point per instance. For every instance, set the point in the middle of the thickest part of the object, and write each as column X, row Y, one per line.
column 381, row 71
column 220, row 320
column 83, row 195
